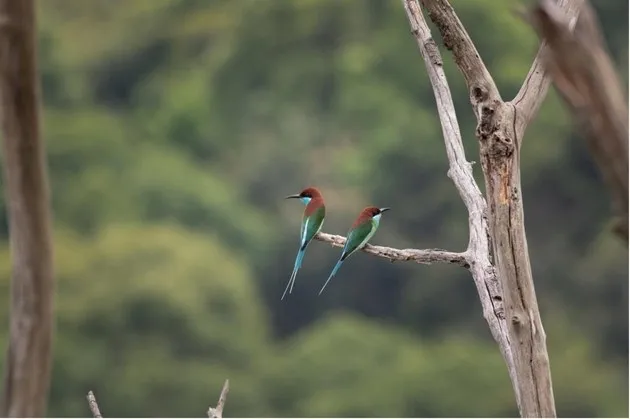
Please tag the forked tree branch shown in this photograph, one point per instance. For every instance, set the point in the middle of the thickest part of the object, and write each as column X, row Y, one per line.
column 460, row 171
column 500, row 128
column 465, row 54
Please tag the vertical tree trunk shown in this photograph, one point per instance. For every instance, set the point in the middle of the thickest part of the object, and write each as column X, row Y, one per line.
column 500, row 160
column 28, row 361
column 500, row 129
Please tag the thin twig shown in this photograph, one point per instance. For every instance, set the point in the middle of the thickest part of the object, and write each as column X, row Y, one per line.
column 217, row 412
column 96, row 412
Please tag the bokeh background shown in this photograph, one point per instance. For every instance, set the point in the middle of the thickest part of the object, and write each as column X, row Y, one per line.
column 174, row 128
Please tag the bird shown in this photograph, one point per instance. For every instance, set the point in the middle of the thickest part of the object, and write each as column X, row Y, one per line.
column 360, row 233
column 312, row 222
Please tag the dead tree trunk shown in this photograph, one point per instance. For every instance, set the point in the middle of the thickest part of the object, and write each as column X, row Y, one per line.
column 28, row 361
column 500, row 129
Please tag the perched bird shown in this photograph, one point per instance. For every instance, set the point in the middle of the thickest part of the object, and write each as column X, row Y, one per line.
column 360, row 233
column 312, row 223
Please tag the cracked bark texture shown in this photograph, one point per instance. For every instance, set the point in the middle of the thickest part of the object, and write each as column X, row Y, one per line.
column 460, row 171
column 500, row 129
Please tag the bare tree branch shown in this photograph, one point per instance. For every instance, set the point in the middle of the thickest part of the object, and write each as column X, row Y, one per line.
column 460, row 171
column 427, row 256
column 28, row 360
column 96, row 412
column 217, row 412
column 456, row 39
column 584, row 75
column 533, row 92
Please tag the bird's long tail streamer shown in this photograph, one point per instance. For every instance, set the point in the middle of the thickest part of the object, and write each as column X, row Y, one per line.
column 296, row 268
column 333, row 273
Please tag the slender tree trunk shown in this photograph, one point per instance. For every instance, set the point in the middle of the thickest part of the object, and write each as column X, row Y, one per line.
column 28, row 361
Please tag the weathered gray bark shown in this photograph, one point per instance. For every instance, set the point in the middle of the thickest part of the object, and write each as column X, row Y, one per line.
column 584, row 75
column 217, row 412
column 28, row 361
column 500, row 129
column 460, row 171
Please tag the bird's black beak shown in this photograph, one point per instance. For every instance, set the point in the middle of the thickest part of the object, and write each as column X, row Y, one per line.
column 293, row 196
column 384, row 209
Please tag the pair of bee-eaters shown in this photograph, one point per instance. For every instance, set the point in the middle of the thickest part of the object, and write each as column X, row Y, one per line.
column 360, row 233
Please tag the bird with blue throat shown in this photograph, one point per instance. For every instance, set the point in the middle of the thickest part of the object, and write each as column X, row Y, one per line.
column 312, row 222
column 360, row 233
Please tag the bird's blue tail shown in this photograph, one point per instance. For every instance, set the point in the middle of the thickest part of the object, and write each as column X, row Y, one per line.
column 296, row 268
column 333, row 273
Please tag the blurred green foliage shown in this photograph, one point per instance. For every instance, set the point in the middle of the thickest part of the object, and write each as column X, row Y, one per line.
column 175, row 127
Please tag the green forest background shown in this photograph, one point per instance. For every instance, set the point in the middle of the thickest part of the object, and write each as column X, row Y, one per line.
column 174, row 128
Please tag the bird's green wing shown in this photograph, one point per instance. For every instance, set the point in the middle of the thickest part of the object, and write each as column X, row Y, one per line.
column 312, row 224
column 357, row 238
